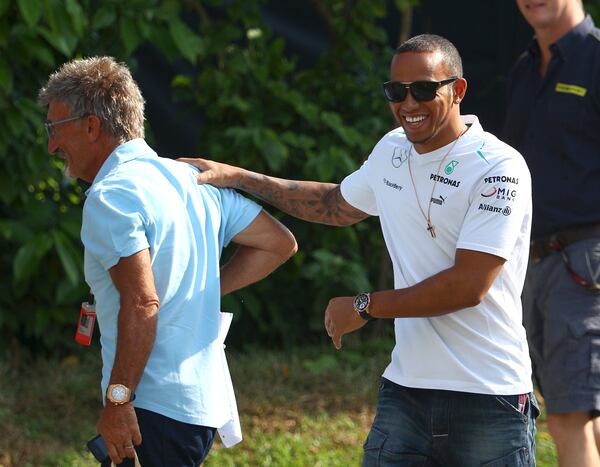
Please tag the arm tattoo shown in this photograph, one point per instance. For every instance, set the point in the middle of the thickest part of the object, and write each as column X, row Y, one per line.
column 311, row 201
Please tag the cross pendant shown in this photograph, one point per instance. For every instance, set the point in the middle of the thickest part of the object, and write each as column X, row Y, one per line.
column 431, row 229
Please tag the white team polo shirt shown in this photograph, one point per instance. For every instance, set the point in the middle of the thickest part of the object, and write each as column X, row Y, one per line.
column 481, row 201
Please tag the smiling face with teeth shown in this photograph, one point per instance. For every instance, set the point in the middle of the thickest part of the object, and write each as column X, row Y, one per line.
column 429, row 125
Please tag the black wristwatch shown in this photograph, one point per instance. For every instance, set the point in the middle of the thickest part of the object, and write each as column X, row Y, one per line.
column 361, row 306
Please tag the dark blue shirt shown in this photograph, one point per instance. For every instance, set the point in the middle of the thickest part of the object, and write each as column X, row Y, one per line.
column 554, row 122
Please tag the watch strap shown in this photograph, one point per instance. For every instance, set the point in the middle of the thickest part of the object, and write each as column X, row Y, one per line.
column 366, row 316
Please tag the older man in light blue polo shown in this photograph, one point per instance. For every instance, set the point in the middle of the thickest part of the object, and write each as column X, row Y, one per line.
column 153, row 240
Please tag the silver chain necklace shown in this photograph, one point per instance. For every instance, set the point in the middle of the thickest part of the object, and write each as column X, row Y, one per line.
column 427, row 217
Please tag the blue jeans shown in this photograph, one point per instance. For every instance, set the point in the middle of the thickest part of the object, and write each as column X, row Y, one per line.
column 428, row 427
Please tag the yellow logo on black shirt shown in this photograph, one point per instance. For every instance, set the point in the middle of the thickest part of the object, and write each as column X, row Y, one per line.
column 571, row 89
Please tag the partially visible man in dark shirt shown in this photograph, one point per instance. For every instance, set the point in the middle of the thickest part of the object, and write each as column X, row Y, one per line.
column 553, row 119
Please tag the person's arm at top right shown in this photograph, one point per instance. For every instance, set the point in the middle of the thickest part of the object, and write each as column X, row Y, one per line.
column 310, row 201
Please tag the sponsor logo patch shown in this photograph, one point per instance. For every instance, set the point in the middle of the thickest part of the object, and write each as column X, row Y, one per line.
column 450, row 167
column 480, row 153
column 439, row 200
column 486, row 207
column 502, row 179
column 392, row 184
column 507, row 194
column 444, row 180
column 490, row 193
column 399, row 157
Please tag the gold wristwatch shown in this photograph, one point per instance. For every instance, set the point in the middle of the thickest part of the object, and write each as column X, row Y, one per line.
column 119, row 394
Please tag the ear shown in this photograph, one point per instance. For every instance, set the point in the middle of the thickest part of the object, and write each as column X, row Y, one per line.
column 460, row 89
column 93, row 127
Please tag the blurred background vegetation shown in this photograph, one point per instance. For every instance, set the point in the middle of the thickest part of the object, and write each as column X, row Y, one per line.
column 258, row 110
column 249, row 101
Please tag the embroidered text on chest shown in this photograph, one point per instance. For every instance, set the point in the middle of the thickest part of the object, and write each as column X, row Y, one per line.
column 444, row 180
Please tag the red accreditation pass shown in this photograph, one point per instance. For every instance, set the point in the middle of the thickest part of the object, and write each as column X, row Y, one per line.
column 87, row 319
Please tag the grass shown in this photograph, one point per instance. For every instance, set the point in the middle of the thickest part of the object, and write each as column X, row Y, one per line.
column 307, row 407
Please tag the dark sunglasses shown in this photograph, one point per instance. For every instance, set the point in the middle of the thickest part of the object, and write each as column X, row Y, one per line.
column 422, row 91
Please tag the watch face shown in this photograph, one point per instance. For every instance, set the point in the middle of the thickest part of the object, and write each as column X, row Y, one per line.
column 361, row 301
column 118, row 393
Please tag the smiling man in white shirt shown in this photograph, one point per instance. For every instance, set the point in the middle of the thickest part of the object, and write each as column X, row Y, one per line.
column 454, row 204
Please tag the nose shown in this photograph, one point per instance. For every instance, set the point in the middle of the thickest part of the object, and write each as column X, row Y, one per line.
column 409, row 103
column 52, row 146
column 407, row 106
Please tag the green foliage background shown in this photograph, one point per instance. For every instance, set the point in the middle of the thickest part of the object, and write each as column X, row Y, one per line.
column 262, row 112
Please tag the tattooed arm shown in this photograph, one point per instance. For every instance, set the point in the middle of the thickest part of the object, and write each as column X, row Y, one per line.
column 310, row 201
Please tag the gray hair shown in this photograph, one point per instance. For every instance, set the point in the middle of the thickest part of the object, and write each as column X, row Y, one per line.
column 429, row 43
column 102, row 87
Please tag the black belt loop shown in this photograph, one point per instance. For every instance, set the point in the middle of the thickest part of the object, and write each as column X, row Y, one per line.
column 556, row 243
column 540, row 248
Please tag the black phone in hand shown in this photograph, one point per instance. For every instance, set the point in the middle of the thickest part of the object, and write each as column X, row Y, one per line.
column 97, row 447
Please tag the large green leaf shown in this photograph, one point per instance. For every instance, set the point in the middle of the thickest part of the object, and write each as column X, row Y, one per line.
column 40, row 53
column 67, row 294
column 334, row 121
column 31, row 10
column 188, row 43
column 30, row 111
column 104, row 17
column 67, row 255
column 28, row 257
column 77, row 16
column 274, row 151
column 64, row 43
column 129, row 34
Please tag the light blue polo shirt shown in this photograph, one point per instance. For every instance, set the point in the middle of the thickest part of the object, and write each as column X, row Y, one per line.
column 137, row 201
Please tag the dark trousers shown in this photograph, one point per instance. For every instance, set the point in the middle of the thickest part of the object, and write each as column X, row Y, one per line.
column 170, row 443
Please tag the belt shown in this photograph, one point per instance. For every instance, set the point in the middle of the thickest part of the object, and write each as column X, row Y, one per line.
column 544, row 246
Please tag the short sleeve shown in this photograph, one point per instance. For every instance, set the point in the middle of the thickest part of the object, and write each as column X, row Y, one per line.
column 113, row 227
column 238, row 212
column 357, row 191
column 499, row 211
